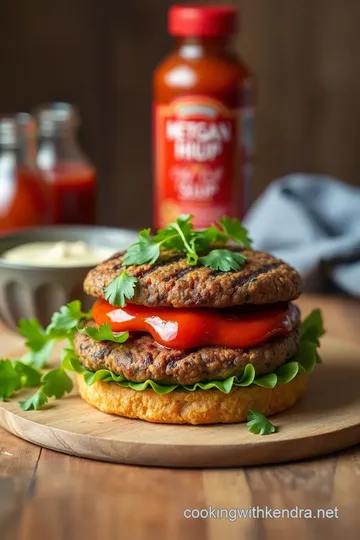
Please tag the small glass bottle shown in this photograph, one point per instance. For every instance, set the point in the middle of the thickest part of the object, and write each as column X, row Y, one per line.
column 69, row 174
column 23, row 194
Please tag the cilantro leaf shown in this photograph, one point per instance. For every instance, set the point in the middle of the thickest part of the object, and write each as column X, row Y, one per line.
column 18, row 374
column 223, row 259
column 15, row 375
column 235, row 231
column 38, row 358
column 258, row 424
column 66, row 319
column 40, row 342
column 206, row 237
column 184, row 227
column 29, row 376
column 181, row 236
column 145, row 250
column 71, row 362
column 169, row 239
column 184, row 220
column 33, row 332
column 10, row 379
column 104, row 333
column 119, row 289
column 56, row 383
column 34, row 402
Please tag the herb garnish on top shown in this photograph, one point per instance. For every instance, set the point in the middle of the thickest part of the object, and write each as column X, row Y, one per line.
column 204, row 247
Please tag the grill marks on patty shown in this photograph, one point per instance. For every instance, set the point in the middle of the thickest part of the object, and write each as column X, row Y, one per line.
column 171, row 281
column 180, row 273
column 242, row 280
column 163, row 265
column 142, row 358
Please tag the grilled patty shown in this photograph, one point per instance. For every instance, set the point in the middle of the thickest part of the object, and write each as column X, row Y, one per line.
column 142, row 358
column 172, row 282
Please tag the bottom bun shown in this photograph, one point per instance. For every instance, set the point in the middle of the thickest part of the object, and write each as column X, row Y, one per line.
column 198, row 407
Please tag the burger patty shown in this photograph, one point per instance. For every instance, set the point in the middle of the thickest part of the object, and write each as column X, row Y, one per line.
column 172, row 282
column 143, row 358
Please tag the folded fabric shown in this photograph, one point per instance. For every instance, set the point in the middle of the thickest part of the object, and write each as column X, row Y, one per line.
column 313, row 223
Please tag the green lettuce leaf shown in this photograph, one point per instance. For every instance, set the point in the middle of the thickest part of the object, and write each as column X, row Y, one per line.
column 266, row 381
column 312, row 328
column 282, row 375
column 287, row 372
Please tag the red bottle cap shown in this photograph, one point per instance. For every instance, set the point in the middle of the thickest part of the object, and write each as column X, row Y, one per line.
column 202, row 20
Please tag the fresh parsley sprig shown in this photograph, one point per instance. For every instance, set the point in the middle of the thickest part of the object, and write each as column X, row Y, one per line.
column 40, row 341
column 176, row 236
column 120, row 289
column 258, row 424
column 145, row 250
column 223, row 260
column 181, row 236
column 24, row 373
column 55, row 383
column 18, row 374
column 15, row 375
column 65, row 321
column 235, row 231
column 205, row 247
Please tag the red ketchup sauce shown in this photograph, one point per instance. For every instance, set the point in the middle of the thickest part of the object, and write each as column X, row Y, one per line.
column 72, row 193
column 190, row 328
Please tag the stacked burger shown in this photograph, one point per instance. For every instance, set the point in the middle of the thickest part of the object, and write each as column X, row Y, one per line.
column 175, row 337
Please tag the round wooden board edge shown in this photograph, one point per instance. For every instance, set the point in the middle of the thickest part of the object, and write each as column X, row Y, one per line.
column 184, row 456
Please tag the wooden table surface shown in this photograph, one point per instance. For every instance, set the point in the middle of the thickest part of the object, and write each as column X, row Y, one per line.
column 45, row 495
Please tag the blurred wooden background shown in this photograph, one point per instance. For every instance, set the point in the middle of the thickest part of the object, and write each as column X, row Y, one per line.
column 101, row 54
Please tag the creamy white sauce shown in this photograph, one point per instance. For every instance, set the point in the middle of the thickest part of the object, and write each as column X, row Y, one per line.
column 57, row 254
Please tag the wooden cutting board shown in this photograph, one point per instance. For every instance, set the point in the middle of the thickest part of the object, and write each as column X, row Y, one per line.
column 325, row 420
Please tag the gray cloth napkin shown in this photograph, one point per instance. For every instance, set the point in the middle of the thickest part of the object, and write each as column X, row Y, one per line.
column 313, row 223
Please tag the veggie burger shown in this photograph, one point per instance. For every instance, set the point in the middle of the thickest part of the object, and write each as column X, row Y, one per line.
column 194, row 327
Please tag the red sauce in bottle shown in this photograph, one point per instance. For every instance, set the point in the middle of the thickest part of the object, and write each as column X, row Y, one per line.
column 23, row 203
column 23, row 194
column 72, row 193
column 191, row 328
column 69, row 175
column 203, row 117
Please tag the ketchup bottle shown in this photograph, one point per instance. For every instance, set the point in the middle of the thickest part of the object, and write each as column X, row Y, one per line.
column 203, row 120
column 23, row 194
column 70, row 176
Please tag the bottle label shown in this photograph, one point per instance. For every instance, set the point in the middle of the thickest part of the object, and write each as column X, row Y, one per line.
column 198, row 160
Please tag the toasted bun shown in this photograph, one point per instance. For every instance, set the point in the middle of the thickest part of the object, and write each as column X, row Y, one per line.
column 199, row 407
